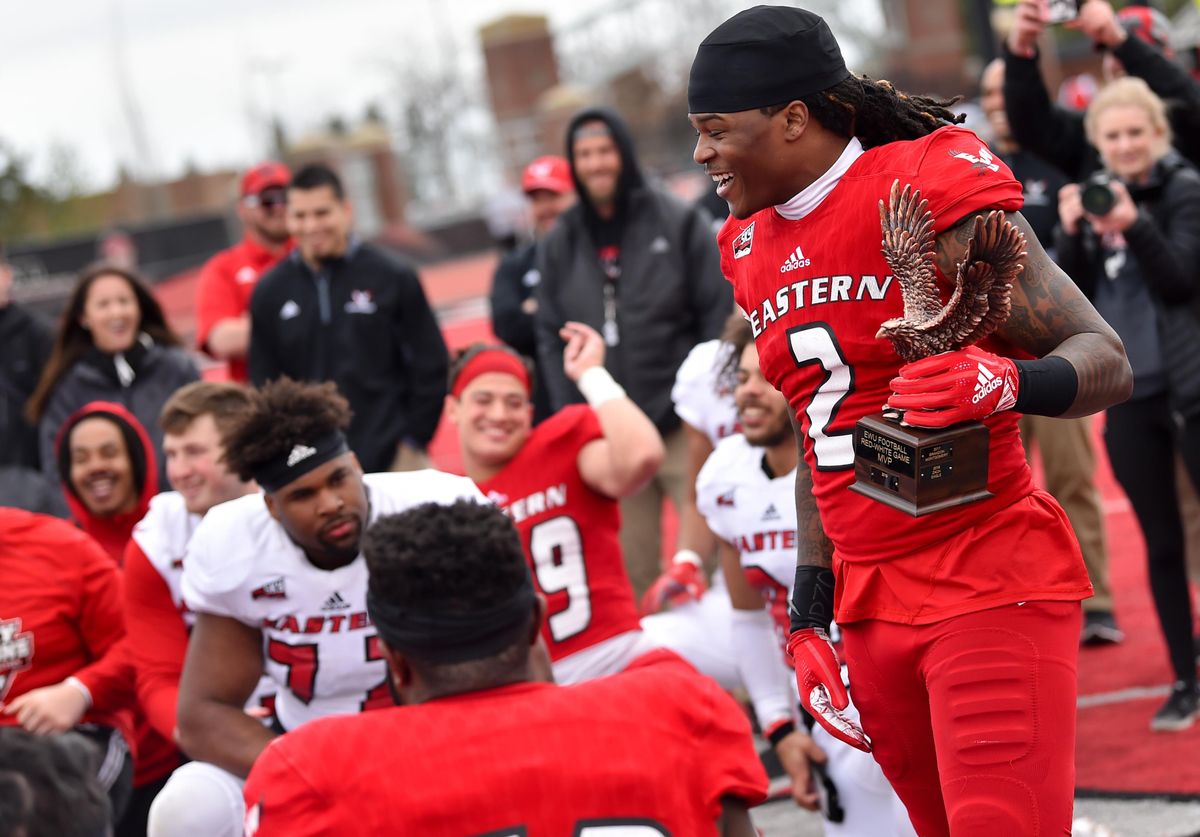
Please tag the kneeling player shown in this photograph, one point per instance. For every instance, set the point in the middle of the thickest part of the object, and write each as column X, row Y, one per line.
column 478, row 747
column 745, row 492
column 560, row 483
column 277, row 581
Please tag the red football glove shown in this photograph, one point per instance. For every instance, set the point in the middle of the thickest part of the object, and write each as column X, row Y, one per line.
column 969, row 384
column 683, row 581
column 821, row 689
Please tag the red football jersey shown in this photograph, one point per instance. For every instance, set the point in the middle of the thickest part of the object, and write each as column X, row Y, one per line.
column 816, row 290
column 569, row 532
column 652, row 750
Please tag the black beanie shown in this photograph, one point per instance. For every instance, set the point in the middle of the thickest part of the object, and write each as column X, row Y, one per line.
column 764, row 56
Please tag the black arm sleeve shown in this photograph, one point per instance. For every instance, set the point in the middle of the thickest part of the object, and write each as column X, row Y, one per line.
column 552, row 260
column 1169, row 258
column 509, row 322
column 711, row 295
column 1038, row 125
column 427, row 360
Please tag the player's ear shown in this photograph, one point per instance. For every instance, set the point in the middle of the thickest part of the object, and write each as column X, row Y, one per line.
column 398, row 668
column 796, row 118
column 270, row 500
column 539, row 617
column 450, row 406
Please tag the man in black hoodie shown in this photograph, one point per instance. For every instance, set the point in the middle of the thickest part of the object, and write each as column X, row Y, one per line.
column 642, row 269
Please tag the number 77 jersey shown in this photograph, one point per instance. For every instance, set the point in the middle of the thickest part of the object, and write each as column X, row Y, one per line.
column 570, row 535
column 816, row 288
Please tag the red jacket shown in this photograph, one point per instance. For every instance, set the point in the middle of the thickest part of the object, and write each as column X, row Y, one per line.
column 61, row 614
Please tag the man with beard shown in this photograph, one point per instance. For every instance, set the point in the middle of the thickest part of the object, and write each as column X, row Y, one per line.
column 228, row 279
column 277, row 581
column 746, row 493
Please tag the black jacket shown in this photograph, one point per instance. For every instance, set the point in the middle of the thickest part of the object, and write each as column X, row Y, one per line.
column 669, row 297
column 159, row 371
column 25, row 343
column 362, row 322
column 1163, row 257
column 513, row 284
column 1057, row 135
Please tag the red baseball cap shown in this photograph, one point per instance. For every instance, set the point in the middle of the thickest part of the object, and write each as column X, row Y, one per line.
column 550, row 173
column 265, row 175
column 1151, row 25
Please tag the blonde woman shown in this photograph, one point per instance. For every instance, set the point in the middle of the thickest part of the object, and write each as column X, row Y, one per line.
column 1130, row 237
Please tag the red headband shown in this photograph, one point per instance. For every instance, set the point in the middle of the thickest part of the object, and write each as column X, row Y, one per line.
column 491, row 360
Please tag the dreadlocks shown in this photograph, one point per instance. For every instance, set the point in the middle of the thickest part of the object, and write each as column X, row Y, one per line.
column 876, row 112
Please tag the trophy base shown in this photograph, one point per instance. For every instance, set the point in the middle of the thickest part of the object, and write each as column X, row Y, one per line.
column 919, row 471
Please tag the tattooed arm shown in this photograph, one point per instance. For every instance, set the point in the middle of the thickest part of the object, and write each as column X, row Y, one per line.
column 1051, row 317
column 813, row 547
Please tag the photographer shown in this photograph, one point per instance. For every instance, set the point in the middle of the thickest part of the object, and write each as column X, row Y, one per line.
column 1130, row 238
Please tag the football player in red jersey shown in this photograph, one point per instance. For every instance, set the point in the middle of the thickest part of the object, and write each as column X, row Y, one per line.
column 479, row 746
column 560, row 483
column 961, row 627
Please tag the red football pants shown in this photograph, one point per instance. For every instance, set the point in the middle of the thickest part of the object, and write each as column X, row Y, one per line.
column 973, row 717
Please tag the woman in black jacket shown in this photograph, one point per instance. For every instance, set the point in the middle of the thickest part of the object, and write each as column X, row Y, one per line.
column 1138, row 260
column 113, row 344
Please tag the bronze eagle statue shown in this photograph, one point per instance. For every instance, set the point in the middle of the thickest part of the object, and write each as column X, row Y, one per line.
column 980, row 302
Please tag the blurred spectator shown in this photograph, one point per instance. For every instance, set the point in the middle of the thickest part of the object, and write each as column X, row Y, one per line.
column 656, row 748
column 113, row 344
column 643, row 270
column 1132, row 243
column 228, row 278
column 342, row 310
column 1057, row 134
column 48, row 787
column 108, row 472
column 548, row 191
column 25, row 343
column 1068, row 460
column 117, row 247
column 60, row 667
column 1075, row 93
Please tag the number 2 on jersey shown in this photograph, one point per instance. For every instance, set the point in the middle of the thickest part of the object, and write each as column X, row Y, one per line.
column 557, row 553
column 815, row 343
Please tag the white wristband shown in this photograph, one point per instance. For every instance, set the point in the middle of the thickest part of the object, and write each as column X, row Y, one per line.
column 75, row 682
column 598, row 386
column 688, row 556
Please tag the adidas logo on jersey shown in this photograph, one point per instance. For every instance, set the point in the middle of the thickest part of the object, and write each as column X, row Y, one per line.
column 335, row 602
column 794, row 262
column 771, row 513
column 270, row 590
column 299, row 454
column 985, row 384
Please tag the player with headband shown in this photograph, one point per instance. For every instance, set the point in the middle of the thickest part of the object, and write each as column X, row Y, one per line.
column 560, row 483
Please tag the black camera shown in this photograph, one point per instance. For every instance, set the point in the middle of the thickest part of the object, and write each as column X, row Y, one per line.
column 1097, row 195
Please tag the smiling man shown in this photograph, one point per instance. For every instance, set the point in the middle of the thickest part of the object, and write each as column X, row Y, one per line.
column 641, row 268
column 276, row 579
column 342, row 310
column 950, row 617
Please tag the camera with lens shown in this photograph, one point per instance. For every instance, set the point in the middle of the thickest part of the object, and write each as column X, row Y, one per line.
column 1097, row 195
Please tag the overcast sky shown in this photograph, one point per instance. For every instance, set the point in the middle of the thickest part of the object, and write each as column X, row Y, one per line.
column 202, row 73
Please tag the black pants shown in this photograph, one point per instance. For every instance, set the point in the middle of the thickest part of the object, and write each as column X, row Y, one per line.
column 111, row 762
column 1142, row 438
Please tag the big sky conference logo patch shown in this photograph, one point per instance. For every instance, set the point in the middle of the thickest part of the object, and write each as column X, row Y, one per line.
column 743, row 243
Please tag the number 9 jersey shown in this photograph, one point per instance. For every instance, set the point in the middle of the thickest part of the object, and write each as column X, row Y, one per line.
column 812, row 279
column 570, row 535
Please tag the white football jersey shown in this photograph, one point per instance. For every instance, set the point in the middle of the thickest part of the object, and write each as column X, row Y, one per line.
column 699, row 397
column 318, row 643
column 757, row 515
column 163, row 536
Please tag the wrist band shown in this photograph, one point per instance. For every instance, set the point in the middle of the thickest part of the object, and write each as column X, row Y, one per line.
column 779, row 732
column 598, row 386
column 688, row 556
column 76, row 683
column 1046, row 387
column 812, row 598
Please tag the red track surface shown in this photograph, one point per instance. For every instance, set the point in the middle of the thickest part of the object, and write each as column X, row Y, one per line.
column 1116, row 752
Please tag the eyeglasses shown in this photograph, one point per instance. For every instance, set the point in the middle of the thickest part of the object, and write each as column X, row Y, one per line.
column 268, row 199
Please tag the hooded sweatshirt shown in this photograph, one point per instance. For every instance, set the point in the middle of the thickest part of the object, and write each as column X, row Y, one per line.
column 114, row 531
column 648, row 279
column 156, row 756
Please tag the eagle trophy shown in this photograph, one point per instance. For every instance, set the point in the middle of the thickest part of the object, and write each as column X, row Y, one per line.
column 980, row 302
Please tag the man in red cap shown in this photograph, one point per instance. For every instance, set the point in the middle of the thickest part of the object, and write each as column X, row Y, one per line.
column 227, row 280
column 548, row 186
